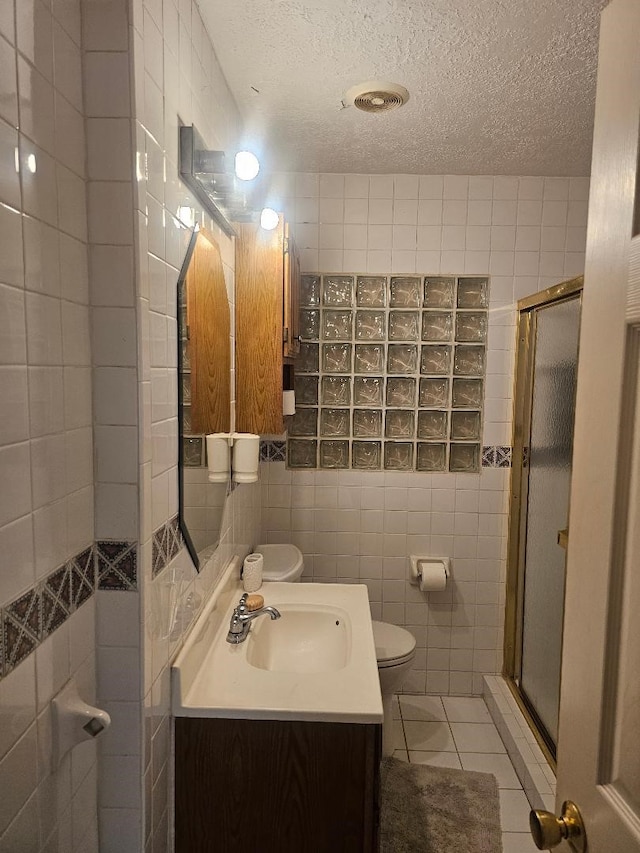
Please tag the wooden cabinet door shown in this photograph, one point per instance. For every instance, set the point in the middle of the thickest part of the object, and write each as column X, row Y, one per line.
column 259, row 323
column 267, row 324
column 276, row 786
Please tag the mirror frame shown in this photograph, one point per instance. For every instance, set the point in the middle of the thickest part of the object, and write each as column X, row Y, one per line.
column 184, row 530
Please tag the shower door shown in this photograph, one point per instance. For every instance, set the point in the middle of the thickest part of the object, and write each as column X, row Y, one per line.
column 545, row 403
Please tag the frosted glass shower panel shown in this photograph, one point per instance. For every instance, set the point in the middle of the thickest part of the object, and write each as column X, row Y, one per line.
column 549, row 477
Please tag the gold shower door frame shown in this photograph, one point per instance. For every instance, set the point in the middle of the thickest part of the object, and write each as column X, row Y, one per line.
column 523, row 397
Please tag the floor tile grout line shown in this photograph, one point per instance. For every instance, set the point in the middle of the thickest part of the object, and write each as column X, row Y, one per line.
column 457, row 751
column 458, row 756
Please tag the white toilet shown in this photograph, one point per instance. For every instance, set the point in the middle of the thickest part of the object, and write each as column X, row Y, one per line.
column 281, row 562
column 395, row 651
column 395, row 647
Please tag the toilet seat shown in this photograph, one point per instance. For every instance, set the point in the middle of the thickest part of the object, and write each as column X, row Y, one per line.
column 394, row 645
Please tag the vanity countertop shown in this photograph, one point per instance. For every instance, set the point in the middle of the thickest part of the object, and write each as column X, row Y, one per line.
column 283, row 670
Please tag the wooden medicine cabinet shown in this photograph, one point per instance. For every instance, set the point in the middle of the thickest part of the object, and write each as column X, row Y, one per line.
column 267, row 325
column 207, row 345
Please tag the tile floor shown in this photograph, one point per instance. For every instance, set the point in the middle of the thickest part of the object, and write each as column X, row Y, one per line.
column 458, row 732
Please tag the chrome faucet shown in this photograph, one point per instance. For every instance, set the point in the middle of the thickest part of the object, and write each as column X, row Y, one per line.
column 242, row 618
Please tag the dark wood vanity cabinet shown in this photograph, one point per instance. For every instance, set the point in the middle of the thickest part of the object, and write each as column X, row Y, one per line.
column 271, row 786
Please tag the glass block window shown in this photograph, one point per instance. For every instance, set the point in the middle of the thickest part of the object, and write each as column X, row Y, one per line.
column 390, row 373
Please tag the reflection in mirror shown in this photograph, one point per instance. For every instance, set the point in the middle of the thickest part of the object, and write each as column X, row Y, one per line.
column 204, row 363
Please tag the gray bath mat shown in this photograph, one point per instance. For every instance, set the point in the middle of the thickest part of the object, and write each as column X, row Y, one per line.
column 428, row 809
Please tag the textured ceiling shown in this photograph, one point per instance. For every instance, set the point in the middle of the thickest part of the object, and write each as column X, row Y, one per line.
column 497, row 86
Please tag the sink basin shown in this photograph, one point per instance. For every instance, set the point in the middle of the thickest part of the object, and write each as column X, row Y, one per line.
column 306, row 638
column 316, row 663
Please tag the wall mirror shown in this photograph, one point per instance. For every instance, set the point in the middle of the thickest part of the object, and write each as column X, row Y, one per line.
column 204, row 392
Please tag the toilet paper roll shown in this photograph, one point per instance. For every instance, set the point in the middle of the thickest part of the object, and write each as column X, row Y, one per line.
column 252, row 572
column 246, row 453
column 288, row 402
column 433, row 576
column 218, row 457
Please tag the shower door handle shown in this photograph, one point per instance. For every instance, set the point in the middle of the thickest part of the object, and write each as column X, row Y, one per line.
column 563, row 538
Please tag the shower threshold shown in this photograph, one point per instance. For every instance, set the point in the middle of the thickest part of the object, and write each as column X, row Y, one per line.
column 533, row 767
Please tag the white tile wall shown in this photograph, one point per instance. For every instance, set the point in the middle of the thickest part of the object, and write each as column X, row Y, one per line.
column 45, row 425
column 175, row 74
column 114, row 341
column 527, row 233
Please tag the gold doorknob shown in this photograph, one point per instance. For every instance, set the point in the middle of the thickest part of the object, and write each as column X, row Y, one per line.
column 548, row 830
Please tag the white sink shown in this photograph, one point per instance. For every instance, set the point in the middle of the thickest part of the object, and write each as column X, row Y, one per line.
column 307, row 638
column 316, row 663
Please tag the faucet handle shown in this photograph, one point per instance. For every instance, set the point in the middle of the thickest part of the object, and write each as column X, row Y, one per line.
column 242, row 604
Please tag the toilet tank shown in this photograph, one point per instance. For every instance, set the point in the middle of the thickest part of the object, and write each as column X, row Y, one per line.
column 281, row 562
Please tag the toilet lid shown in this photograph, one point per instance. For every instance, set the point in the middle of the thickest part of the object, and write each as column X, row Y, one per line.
column 392, row 642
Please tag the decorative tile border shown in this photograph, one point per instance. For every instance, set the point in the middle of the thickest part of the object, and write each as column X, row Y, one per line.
column 117, row 565
column 37, row 613
column 273, row 451
column 56, row 599
column 83, row 577
column 21, row 628
column 498, row 456
column 167, row 541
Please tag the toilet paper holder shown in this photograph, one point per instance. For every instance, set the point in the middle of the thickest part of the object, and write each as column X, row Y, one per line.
column 418, row 563
column 73, row 721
